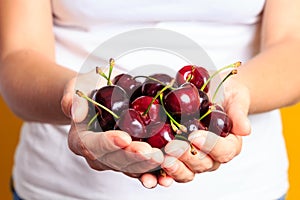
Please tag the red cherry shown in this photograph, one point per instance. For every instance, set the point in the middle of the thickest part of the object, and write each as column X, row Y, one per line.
column 113, row 98
column 193, row 74
column 126, row 82
column 194, row 125
column 183, row 101
column 218, row 122
column 155, row 112
column 132, row 122
column 161, row 135
column 155, row 83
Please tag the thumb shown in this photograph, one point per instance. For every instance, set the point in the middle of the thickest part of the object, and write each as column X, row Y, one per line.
column 79, row 109
column 240, row 120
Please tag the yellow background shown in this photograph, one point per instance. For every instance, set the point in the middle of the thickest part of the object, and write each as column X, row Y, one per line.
column 9, row 137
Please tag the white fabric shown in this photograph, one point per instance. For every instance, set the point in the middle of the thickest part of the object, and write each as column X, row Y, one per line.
column 228, row 30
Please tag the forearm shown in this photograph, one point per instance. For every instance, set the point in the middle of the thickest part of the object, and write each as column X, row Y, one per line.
column 273, row 77
column 33, row 85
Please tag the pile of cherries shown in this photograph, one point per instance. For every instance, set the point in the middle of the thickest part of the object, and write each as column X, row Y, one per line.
column 158, row 108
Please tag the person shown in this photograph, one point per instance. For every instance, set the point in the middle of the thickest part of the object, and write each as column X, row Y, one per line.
column 43, row 43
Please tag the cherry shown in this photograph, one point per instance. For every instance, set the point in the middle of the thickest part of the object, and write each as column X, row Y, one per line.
column 113, row 98
column 132, row 122
column 136, row 93
column 149, row 108
column 218, row 122
column 183, row 101
column 160, row 135
column 126, row 82
column 204, row 102
column 156, row 105
column 216, row 106
column 165, row 79
column 155, row 83
column 194, row 125
column 193, row 74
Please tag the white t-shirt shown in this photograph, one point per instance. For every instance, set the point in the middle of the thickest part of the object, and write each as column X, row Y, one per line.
column 45, row 168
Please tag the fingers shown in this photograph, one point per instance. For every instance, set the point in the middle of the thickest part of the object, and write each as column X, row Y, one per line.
column 115, row 150
column 93, row 145
column 218, row 148
column 102, row 143
column 177, row 170
column 165, row 180
column 138, row 157
column 197, row 161
column 209, row 151
column 148, row 180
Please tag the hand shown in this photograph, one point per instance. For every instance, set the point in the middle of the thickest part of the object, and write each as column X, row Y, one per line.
column 110, row 150
column 211, row 150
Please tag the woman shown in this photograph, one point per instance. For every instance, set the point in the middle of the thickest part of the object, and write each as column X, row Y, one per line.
column 39, row 60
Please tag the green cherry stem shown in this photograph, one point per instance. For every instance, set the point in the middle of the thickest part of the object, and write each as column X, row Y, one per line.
column 207, row 113
column 190, row 76
column 233, row 65
column 81, row 94
column 153, row 79
column 101, row 73
column 175, row 128
column 93, row 119
column 111, row 66
column 180, row 126
column 158, row 94
column 221, row 83
column 180, row 137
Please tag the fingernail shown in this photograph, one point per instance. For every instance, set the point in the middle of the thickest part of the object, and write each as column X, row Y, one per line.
column 177, row 148
column 198, row 138
column 122, row 140
column 199, row 141
column 176, row 152
column 73, row 109
column 170, row 164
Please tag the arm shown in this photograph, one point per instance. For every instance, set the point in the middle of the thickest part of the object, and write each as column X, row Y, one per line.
column 37, row 89
column 30, row 81
column 273, row 75
column 268, row 81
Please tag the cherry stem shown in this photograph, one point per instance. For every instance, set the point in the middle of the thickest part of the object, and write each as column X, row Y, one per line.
column 101, row 73
column 190, row 76
column 93, row 119
column 175, row 128
column 221, row 83
column 81, row 94
column 233, row 65
column 153, row 79
column 157, row 95
column 207, row 113
column 162, row 173
column 180, row 137
column 111, row 66
column 193, row 149
column 180, row 126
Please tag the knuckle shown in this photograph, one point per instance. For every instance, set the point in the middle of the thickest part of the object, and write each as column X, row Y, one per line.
column 187, row 178
column 227, row 156
column 215, row 166
column 206, row 165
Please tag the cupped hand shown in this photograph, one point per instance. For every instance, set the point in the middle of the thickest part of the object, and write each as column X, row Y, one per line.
column 110, row 150
column 210, row 150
